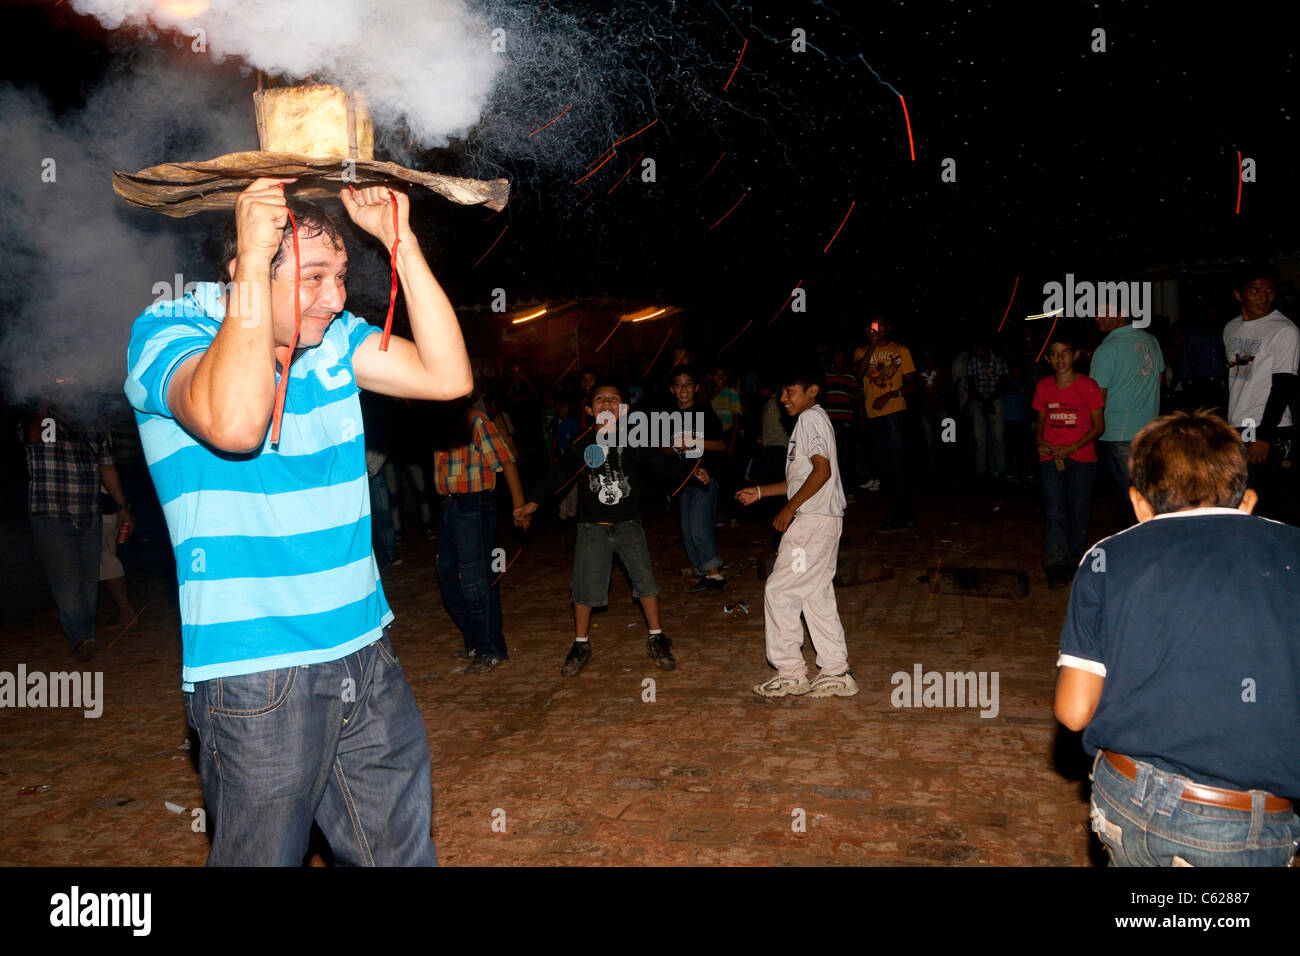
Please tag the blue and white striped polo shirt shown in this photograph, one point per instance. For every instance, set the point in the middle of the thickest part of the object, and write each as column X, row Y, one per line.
column 273, row 550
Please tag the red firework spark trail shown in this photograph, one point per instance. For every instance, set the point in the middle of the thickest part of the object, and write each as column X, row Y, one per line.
column 646, row 373
column 1009, row 304
column 566, row 371
column 624, row 176
column 709, row 173
column 837, row 231
column 1238, row 183
column 611, row 155
column 1049, row 337
column 491, row 247
column 908, row 120
column 932, row 587
column 638, row 132
column 786, row 302
column 600, row 157
column 688, row 477
column 728, row 212
column 507, row 567
column 540, row 128
column 737, row 335
column 737, row 66
column 584, row 198
column 611, row 334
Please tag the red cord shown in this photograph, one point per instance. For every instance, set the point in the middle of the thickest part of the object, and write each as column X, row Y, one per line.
column 283, row 387
column 392, row 293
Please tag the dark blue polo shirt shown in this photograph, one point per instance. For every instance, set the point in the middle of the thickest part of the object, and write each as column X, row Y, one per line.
column 1193, row 618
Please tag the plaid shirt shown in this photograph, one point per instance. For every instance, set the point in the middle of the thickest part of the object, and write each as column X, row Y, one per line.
column 984, row 374
column 472, row 467
column 63, row 476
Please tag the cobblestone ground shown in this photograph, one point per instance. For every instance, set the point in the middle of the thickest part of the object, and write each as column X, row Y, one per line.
column 584, row 770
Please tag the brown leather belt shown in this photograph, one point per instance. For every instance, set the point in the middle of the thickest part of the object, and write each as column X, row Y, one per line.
column 1199, row 793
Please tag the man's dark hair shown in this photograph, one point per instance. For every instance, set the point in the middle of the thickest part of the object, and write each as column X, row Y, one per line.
column 1188, row 460
column 1248, row 272
column 806, row 375
column 313, row 221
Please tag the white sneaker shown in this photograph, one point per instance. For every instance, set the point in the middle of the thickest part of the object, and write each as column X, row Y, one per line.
column 833, row 685
column 779, row 686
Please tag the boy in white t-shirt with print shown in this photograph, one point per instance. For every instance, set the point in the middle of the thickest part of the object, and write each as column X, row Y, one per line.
column 801, row 579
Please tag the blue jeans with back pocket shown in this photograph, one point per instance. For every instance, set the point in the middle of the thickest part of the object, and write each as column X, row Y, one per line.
column 341, row 743
column 1144, row 822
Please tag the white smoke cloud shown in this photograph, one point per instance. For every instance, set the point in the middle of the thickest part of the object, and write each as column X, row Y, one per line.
column 77, row 264
column 428, row 64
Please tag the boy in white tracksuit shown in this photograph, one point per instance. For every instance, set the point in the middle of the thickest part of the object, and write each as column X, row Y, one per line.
column 801, row 579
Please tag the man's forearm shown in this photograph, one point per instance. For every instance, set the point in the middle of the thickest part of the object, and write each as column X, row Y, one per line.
column 434, row 328
column 113, row 482
column 1279, row 397
column 233, row 385
column 514, row 484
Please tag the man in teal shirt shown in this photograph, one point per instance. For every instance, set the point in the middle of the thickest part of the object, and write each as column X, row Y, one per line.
column 1127, row 365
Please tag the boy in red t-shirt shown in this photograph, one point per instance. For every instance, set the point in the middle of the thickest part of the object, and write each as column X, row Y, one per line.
column 1070, row 415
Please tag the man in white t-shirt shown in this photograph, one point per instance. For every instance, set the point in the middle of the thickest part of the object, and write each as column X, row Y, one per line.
column 802, row 579
column 1263, row 352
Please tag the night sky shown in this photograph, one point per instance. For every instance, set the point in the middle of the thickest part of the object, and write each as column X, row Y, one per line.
column 1102, row 164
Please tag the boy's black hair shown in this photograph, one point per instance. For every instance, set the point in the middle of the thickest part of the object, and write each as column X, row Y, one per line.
column 605, row 383
column 1248, row 272
column 588, row 369
column 684, row 370
column 1065, row 335
column 806, row 375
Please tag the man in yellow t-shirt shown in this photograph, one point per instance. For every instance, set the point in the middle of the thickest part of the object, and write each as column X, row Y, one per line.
column 887, row 375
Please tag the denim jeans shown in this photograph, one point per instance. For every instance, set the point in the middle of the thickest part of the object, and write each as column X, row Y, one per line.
column 888, row 463
column 381, row 520
column 1113, row 456
column 342, row 743
column 1143, row 822
column 71, row 559
column 465, row 543
column 700, row 527
column 990, row 448
column 1067, row 501
column 593, row 558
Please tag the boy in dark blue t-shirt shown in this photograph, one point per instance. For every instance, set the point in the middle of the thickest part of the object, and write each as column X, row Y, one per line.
column 1180, row 661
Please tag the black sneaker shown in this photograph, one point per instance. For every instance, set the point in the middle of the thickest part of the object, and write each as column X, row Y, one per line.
column 480, row 665
column 86, row 649
column 579, row 657
column 657, row 645
column 714, row 584
column 893, row 527
column 464, row 655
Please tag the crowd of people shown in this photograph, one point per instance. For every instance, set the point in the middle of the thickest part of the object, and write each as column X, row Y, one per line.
column 279, row 567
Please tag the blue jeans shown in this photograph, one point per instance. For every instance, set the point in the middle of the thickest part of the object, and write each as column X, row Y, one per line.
column 381, row 520
column 342, row 743
column 71, row 559
column 1113, row 456
column 465, row 544
column 990, row 446
column 888, row 463
column 1143, row 822
column 700, row 526
column 1067, row 501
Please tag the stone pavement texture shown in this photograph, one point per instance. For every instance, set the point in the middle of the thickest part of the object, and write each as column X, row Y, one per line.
column 586, row 770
